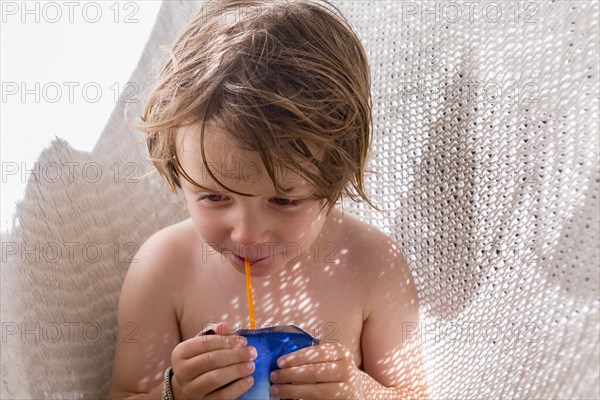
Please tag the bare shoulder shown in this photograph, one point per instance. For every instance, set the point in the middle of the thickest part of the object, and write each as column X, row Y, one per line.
column 171, row 243
column 391, row 310
column 173, row 236
column 163, row 254
column 382, row 265
column 149, row 312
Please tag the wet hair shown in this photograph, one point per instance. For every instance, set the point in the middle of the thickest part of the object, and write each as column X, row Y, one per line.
column 280, row 77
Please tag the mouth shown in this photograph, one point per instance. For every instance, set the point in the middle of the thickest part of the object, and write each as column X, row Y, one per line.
column 252, row 262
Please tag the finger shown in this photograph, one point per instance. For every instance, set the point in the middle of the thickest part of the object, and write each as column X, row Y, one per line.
column 314, row 354
column 217, row 379
column 209, row 330
column 203, row 344
column 219, row 358
column 312, row 373
column 222, row 328
column 232, row 391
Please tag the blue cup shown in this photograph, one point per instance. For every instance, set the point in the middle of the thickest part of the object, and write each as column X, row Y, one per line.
column 271, row 343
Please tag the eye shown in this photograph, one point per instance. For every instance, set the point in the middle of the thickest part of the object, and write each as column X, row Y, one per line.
column 211, row 198
column 286, row 202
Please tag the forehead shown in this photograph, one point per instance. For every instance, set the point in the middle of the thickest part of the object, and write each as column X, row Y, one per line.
column 238, row 169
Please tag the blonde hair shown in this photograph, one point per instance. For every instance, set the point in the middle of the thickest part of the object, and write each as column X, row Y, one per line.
column 277, row 77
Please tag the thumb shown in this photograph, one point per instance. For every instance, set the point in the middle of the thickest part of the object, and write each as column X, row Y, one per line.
column 222, row 328
column 218, row 329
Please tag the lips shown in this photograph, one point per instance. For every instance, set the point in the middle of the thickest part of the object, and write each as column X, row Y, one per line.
column 252, row 262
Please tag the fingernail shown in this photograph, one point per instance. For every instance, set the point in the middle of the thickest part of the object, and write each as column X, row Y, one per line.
column 273, row 376
column 253, row 352
column 274, row 390
column 281, row 362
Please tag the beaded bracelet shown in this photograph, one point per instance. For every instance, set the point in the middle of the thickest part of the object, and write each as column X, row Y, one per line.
column 167, row 393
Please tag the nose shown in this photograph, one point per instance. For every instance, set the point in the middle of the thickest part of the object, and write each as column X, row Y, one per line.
column 249, row 230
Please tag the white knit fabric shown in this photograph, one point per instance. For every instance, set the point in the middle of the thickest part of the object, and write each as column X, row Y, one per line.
column 485, row 162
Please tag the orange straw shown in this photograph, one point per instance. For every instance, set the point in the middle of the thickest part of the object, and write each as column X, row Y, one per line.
column 249, row 291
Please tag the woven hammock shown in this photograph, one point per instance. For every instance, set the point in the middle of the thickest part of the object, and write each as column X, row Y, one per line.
column 485, row 162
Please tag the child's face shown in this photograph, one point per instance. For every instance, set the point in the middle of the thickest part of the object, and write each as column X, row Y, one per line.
column 275, row 230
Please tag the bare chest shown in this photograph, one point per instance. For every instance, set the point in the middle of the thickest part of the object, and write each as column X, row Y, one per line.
column 329, row 308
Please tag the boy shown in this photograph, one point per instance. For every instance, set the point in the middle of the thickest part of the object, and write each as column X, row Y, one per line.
column 262, row 118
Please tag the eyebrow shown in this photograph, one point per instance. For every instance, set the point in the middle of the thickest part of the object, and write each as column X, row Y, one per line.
column 213, row 190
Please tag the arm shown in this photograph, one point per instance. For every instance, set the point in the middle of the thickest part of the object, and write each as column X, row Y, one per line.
column 392, row 364
column 148, row 324
column 392, row 360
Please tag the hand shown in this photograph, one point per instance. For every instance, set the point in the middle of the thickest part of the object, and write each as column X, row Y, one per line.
column 212, row 366
column 325, row 371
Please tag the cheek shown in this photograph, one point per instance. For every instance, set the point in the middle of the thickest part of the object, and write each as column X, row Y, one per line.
column 206, row 224
column 194, row 213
